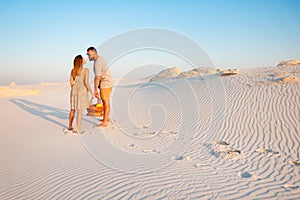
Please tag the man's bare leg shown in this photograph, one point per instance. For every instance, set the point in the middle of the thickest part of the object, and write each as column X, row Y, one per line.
column 103, row 119
column 71, row 118
column 106, row 106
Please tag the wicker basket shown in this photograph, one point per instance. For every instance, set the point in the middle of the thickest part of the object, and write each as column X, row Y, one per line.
column 94, row 111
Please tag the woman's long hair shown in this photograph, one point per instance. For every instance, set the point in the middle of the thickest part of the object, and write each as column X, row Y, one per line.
column 78, row 60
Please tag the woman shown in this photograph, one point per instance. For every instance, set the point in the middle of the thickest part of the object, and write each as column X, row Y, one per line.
column 79, row 98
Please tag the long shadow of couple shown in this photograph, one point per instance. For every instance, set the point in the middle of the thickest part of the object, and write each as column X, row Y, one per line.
column 45, row 112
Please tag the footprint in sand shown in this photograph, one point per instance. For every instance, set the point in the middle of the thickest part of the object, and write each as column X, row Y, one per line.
column 65, row 130
column 291, row 186
column 265, row 151
column 115, row 125
column 233, row 154
column 234, row 151
column 255, row 177
column 133, row 146
column 142, row 127
column 220, row 146
column 181, row 158
column 244, row 175
column 113, row 140
column 249, row 175
column 221, row 149
column 295, row 162
column 71, row 132
column 153, row 151
column 199, row 165
column 221, row 142
column 165, row 132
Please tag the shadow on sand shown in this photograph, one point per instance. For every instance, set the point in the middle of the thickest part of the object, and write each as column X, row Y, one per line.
column 45, row 112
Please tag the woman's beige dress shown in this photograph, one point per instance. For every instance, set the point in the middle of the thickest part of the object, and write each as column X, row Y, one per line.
column 79, row 91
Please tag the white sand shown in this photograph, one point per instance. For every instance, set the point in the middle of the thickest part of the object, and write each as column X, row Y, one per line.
column 233, row 137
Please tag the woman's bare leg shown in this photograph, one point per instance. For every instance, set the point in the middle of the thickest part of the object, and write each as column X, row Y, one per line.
column 71, row 118
column 78, row 120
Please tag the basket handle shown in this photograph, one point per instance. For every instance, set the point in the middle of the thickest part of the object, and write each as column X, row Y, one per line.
column 91, row 101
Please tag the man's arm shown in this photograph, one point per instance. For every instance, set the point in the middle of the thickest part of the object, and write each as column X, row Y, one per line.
column 96, row 85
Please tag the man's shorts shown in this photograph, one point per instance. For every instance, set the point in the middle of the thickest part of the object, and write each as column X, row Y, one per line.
column 105, row 93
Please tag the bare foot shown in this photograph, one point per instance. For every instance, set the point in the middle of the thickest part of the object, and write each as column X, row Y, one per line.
column 70, row 128
column 102, row 120
column 104, row 124
column 78, row 132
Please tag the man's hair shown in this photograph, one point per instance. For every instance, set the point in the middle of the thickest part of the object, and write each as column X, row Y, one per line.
column 92, row 49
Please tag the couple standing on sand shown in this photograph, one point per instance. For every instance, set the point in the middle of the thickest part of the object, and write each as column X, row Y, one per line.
column 80, row 87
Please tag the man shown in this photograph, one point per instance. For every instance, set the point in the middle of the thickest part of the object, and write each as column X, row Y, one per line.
column 102, row 80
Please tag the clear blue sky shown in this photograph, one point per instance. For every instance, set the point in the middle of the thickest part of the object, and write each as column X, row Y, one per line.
column 39, row 39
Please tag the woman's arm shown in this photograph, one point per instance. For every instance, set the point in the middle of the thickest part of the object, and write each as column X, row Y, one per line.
column 71, row 79
column 86, row 81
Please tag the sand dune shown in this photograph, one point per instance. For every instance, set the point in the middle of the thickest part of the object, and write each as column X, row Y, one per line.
column 166, row 73
column 12, row 84
column 176, row 73
column 197, row 137
column 201, row 71
column 288, row 63
column 6, row 92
